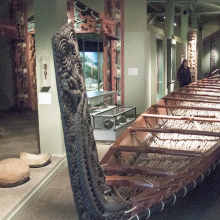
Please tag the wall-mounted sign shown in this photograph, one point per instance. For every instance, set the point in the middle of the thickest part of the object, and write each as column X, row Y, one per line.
column 44, row 98
column 133, row 71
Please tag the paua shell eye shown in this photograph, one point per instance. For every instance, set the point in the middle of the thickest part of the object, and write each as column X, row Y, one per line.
column 65, row 84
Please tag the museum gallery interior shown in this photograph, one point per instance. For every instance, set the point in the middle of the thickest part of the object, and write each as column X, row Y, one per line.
column 109, row 109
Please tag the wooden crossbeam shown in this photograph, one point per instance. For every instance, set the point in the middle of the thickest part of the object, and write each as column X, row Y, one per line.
column 204, row 86
column 186, row 118
column 156, row 150
column 195, row 94
column 205, row 83
column 191, row 100
column 216, row 76
column 186, row 107
column 137, row 169
column 131, row 182
column 210, row 80
column 178, row 131
column 198, row 90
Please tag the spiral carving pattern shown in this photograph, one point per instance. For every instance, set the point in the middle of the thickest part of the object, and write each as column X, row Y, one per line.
column 87, row 178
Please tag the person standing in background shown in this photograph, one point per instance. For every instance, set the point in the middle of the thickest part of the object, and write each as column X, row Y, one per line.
column 183, row 74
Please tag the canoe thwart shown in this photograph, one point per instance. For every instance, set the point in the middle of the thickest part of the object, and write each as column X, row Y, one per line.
column 157, row 150
column 131, row 182
column 178, row 131
column 115, row 168
column 180, row 118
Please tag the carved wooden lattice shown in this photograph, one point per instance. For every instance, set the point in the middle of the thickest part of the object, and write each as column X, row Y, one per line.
column 212, row 53
column 111, row 25
column 21, row 55
column 32, row 70
column 114, row 55
column 93, row 199
column 192, row 54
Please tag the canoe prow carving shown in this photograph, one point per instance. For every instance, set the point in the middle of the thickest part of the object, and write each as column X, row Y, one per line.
column 93, row 198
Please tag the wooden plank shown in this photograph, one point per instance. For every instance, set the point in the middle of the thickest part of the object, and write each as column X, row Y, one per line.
column 131, row 182
column 115, row 168
column 198, row 90
column 191, row 100
column 178, row 131
column 210, row 80
column 181, row 118
column 204, row 86
column 206, row 83
column 194, row 94
column 186, row 107
column 157, row 150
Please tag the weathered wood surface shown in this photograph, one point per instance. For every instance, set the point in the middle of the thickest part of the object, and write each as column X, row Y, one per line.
column 186, row 107
column 114, row 168
column 204, row 87
column 186, row 118
column 157, row 150
column 191, row 100
column 198, row 90
column 178, row 131
column 131, row 182
column 194, row 94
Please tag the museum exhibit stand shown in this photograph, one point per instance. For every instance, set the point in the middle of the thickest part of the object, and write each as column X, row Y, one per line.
column 108, row 120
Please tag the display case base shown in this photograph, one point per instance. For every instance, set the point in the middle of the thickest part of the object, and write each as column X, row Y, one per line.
column 110, row 135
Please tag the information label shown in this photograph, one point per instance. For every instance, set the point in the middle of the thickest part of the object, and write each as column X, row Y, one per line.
column 44, row 98
column 133, row 71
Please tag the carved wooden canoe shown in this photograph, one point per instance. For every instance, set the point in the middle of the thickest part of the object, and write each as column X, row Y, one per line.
column 164, row 154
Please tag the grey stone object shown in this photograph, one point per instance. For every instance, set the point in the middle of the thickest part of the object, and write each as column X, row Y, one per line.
column 13, row 172
column 34, row 160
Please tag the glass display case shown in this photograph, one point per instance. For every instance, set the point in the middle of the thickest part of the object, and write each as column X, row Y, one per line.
column 100, row 101
column 114, row 118
column 109, row 124
column 91, row 53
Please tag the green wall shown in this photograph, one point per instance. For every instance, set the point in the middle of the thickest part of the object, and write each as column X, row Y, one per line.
column 206, row 58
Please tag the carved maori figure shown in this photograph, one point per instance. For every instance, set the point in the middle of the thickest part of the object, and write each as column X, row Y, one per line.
column 212, row 54
column 93, row 198
column 192, row 51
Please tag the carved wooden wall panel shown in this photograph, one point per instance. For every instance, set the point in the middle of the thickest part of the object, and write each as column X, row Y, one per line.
column 21, row 56
column 111, row 25
column 212, row 53
column 115, row 10
column 192, row 54
column 33, row 77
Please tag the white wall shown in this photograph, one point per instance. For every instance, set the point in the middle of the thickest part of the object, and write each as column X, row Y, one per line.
column 46, row 25
column 137, row 47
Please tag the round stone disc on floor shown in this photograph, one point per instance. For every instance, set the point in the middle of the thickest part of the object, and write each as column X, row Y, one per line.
column 14, row 172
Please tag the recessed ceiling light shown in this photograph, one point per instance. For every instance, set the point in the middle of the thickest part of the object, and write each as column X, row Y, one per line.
column 163, row 17
column 174, row 24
